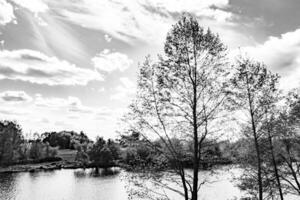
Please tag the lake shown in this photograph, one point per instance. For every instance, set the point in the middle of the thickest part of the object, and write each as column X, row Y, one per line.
column 69, row 184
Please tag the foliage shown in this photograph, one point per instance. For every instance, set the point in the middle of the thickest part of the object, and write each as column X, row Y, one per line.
column 15, row 149
column 256, row 93
column 137, row 155
column 39, row 150
column 287, row 131
column 10, row 139
column 182, row 96
column 65, row 139
column 82, row 153
column 103, row 153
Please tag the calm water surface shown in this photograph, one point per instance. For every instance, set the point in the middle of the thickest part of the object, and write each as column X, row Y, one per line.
column 61, row 185
column 81, row 185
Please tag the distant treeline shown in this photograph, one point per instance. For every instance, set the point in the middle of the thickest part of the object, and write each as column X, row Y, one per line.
column 65, row 139
column 14, row 148
column 130, row 151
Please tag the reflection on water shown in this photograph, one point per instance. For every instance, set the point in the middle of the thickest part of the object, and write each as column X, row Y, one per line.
column 61, row 185
column 107, row 185
column 7, row 186
column 102, row 173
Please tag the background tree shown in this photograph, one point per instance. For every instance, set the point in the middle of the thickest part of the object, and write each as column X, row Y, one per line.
column 82, row 153
column 10, row 140
column 255, row 89
column 96, row 149
column 103, row 154
column 65, row 139
column 182, row 96
column 288, row 142
column 36, row 150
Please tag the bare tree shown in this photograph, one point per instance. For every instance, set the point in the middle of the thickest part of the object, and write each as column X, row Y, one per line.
column 255, row 87
column 270, row 103
column 272, row 153
column 182, row 96
column 287, row 129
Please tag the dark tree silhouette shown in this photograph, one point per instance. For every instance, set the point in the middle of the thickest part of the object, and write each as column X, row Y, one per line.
column 10, row 140
column 104, row 154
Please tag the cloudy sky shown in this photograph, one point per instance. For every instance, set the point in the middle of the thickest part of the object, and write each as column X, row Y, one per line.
column 72, row 64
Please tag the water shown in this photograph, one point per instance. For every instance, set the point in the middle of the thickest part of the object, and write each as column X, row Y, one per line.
column 61, row 185
column 81, row 185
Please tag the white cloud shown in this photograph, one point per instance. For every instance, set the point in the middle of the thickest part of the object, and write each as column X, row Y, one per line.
column 107, row 38
column 12, row 113
column 62, row 113
column 282, row 55
column 101, row 89
column 6, row 12
column 15, row 96
column 127, row 82
column 69, row 113
column 218, row 15
column 53, row 102
column 131, row 20
column 76, row 106
column 125, row 90
column 110, row 61
column 185, row 5
column 35, row 67
column 2, row 43
column 70, row 104
column 73, row 108
column 35, row 6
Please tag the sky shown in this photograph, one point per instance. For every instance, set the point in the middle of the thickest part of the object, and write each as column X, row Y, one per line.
column 72, row 64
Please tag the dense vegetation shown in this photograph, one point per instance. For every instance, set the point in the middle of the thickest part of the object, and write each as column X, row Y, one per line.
column 65, row 139
column 14, row 148
column 131, row 151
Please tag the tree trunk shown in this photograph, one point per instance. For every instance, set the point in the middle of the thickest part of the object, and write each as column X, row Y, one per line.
column 186, row 193
column 290, row 165
column 97, row 170
column 196, row 160
column 275, row 166
column 195, row 167
column 255, row 136
column 260, row 187
column 259, row 176
column 195, row 126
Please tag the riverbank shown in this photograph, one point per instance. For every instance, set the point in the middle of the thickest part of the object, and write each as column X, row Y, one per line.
column 66, row 161
column 41, row 167
column 65, row 164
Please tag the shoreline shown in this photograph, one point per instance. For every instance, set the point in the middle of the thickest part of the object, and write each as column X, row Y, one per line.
column 47, row 166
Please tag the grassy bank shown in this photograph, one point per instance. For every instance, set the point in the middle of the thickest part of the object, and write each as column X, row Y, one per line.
column 67, row 161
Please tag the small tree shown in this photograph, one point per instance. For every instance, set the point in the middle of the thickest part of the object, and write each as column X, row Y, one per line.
column 82, row 154
column 36, row 150
column 114, row 149
column 103, row 153
column 95, row 151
